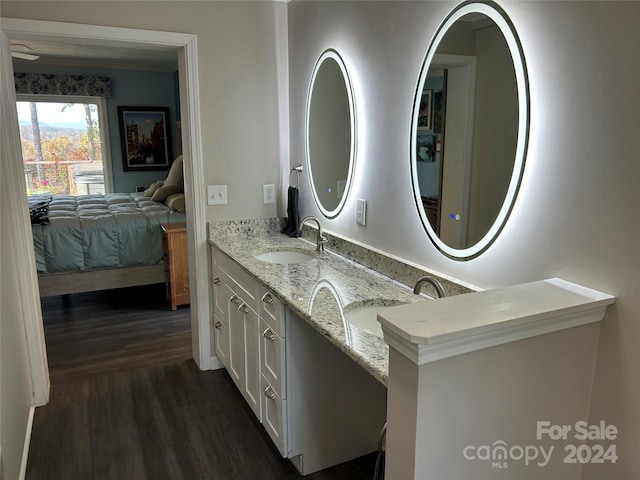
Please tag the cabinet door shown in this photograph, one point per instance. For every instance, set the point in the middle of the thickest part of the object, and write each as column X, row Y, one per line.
column 273, row 416
column 236, row 339
column 273, row 360
column 251, row 358
column 220, row 297
column 222, row 341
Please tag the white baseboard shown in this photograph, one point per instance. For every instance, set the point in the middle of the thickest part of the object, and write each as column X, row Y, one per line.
column 216, row 364
column 27, row 442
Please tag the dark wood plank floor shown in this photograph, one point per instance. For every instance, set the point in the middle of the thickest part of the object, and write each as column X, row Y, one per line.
column 127, row 402
column 113, row 330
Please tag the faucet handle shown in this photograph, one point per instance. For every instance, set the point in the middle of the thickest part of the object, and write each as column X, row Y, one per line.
column 321, row 241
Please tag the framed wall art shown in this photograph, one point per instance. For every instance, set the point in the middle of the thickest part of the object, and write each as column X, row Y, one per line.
column 145, row 138
column 424, row 114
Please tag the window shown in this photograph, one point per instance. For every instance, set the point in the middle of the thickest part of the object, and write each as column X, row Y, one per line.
column 64, row 144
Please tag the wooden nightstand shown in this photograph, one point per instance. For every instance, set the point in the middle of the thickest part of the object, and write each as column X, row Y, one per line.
column 176, row 263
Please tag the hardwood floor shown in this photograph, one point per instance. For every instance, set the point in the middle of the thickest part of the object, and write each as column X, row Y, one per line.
column 127, row 402
column 113, row 330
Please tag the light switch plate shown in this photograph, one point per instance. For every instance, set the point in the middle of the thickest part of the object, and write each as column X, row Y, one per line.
column 269, row 193
column 216, row 194
column 361, row 211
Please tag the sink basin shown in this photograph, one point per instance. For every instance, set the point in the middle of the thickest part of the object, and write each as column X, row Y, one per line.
column 364, row 315
column 285, row 257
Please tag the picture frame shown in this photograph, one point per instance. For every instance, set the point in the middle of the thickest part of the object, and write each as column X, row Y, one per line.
column 437, row 112
column 145, row 138
column 426, row 147
column 424, row 114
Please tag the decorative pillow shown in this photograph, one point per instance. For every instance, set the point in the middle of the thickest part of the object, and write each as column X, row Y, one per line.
column 175, row 174
column 153, row 188
column 175, row 202
column 164, row 191
column 39, row 212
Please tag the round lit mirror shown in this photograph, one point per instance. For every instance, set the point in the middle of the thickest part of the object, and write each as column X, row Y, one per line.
column 470, row 129
column 330, row 129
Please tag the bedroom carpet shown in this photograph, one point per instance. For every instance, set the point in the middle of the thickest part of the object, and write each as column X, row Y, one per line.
column 128, row 403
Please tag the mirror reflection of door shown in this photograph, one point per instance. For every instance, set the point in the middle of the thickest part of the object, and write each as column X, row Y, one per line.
column 452, row 79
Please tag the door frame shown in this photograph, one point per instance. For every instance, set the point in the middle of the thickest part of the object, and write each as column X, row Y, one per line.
column 195, row 188
column 464, row 67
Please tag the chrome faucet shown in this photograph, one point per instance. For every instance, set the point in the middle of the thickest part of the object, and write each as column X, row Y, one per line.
column 321, row 239
column 434, row 282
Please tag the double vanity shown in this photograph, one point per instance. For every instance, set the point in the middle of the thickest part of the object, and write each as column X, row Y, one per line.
column 314, row 380
column 299, row 332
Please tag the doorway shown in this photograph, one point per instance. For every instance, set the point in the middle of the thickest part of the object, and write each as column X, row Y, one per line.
column 193, row 174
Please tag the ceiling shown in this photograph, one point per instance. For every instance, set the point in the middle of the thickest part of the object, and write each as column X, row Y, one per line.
column 154, row 58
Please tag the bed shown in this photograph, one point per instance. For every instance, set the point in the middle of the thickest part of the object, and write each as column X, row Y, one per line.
column 98, row 242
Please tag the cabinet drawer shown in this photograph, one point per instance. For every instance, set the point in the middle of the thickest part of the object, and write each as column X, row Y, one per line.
column 273, row 416
column 239, row 280
column 272, row 311
column 272, row 362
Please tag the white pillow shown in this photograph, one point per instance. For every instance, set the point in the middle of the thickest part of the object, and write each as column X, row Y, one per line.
column 163, row 192
column 175, row 174
column 175, row 202
column 152, row 188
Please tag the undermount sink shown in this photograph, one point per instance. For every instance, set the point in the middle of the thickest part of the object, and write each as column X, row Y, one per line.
column 285, row 257
column 364, row 315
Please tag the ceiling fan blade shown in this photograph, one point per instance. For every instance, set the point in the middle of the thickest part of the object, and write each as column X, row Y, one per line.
column 24, row 56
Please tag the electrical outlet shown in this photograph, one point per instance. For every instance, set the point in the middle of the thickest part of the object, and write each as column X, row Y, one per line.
column 216, row 194
column 361, row 211
column 269, row 193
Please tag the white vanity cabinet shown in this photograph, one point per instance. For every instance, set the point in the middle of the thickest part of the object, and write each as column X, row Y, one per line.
column 318, row 406
column 221, row 293
column 273, row 369
column 237, row 327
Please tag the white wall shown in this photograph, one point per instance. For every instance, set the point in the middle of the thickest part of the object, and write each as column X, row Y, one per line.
column 576, row 216
column 241, row 68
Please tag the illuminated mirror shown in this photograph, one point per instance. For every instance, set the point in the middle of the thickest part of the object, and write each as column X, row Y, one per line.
column 469, row 129
column 330, row 133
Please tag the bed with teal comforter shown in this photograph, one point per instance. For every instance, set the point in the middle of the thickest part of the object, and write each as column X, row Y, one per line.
column 90, row 232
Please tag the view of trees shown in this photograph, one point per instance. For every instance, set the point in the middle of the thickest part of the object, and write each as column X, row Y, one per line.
column 53, row 154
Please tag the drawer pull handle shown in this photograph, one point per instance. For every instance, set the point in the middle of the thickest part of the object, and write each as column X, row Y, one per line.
column 267, row 298
column 218, row 325
column 269, row 393
column 269, row 335
column 243, row 308
column 233, row 298
column 216, row 281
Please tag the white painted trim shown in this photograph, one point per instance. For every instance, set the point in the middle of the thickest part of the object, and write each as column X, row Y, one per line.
column 92, row 34
column 423, row 354
column 18, row 221
column 27, row 442
column 194, row 178
column 215, row 363
column 516, row 320
column 195, row 193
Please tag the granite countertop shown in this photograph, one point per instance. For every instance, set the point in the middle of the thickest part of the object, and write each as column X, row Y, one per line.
column 318, row 290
